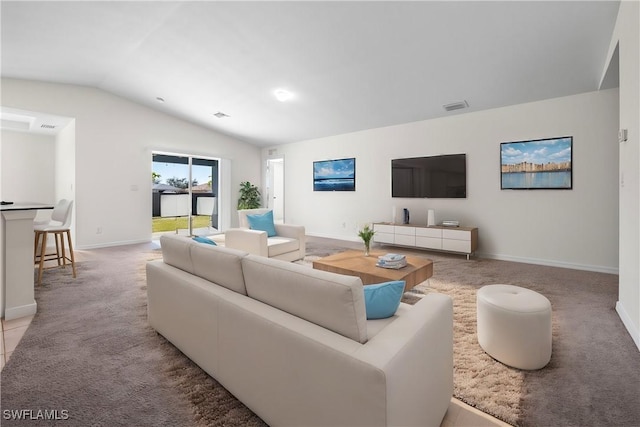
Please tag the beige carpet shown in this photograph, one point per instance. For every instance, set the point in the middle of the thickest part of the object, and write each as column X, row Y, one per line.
column 592, row 378
column 479, row 380
column 90, row 350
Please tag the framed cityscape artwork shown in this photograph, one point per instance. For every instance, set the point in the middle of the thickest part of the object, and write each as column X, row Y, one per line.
column 541, row 164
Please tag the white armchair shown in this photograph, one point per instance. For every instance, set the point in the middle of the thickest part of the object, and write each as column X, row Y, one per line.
column 288, row 244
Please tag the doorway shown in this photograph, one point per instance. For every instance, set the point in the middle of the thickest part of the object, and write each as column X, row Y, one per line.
column 275, row 188
column 185, row 194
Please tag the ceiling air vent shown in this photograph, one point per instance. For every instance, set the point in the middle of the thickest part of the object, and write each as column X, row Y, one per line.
column 44, row 126
column 456, row 106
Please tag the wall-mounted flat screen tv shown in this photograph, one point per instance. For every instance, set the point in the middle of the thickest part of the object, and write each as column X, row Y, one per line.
column 334, row 175
column 443, row 177
column 541, row 164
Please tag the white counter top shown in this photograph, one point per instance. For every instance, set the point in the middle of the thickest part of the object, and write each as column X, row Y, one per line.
column 25, row 206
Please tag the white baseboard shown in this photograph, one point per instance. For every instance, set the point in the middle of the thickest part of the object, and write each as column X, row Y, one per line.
column 111, row 244
column 501, row 257
column 550, row 263
column 21, row 311
column 626, row 321
column 335, row 237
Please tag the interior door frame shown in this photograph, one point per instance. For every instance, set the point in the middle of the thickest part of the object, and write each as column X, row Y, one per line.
column 274, row 187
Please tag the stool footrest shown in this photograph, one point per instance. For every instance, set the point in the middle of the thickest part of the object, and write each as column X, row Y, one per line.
column 40, row 255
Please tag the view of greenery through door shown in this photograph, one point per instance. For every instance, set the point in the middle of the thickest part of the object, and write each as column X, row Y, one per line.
column 185, row 190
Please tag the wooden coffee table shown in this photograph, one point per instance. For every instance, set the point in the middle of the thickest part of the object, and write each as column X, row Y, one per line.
column 354, row 263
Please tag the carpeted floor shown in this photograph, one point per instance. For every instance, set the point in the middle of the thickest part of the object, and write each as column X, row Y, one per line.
column 593, row 377
column 89, row 351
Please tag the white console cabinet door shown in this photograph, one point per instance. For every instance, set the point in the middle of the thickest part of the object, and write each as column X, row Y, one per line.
column 384, row 238
column 456, row 240
column 383, row 233
column 429, row 238
column 405, row 236
column 460, row 239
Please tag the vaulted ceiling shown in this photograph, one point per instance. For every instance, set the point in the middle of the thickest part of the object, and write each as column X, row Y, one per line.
column 349, row 65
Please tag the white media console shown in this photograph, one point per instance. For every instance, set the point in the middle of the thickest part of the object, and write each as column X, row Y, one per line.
column 451, row 239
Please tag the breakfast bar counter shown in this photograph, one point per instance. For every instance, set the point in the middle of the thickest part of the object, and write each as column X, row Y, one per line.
column 16, row 259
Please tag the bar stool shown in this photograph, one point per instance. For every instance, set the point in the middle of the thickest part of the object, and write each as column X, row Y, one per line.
column 59, row 226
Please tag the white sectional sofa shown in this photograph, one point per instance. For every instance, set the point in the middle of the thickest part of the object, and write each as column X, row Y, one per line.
column 293, row 343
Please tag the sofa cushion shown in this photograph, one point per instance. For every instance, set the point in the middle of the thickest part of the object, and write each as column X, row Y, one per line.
column 376, row 325
column 333, row 301
column 281, row 245
column 262, row 222
column 203, row 239
column 175, row 251
column 218, row 238
column 219, row 265
column 382, row 300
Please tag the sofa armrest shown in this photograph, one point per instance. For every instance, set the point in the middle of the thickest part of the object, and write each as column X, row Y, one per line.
column 293, row 232
column 416, row 353
column 290, row 231
column 244, row 239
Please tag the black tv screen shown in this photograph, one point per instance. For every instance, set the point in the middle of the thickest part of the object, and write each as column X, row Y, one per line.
column 443, row 177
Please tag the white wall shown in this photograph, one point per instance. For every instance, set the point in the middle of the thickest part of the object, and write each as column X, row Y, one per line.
column 27, row 174
column 114, row 139
column 627, row 37
column 572, row 228
column 65, row 155
column 28, row 167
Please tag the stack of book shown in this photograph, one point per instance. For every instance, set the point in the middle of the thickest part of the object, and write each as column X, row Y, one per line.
column 394, row 261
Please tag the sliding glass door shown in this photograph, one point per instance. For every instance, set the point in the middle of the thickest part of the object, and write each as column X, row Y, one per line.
column 185, row 194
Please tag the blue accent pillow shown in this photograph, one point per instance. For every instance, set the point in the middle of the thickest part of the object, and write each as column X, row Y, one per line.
column 202, row 239
column 262, row 222
column 382, row 300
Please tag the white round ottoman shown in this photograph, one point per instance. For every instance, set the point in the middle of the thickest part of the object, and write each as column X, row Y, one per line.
column 514, row 325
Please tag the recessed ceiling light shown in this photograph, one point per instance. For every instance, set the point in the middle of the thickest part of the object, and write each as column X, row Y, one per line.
column 282, row 95
column 221, row 115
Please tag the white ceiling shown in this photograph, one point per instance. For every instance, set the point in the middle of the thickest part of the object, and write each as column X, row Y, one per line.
column 351, row 65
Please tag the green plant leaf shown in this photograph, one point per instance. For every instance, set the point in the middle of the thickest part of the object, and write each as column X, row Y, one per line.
column 249, row 196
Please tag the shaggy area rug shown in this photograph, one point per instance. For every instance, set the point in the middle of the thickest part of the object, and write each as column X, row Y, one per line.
column 592, row 378
column 90, row 351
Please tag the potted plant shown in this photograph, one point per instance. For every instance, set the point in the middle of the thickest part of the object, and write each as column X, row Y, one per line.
column 249, row 196
column 366, row 234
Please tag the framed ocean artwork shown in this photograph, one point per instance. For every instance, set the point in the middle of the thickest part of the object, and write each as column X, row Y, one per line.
column 334, row 175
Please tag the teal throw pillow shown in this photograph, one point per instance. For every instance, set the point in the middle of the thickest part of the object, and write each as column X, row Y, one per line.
column 202, row 239
column 262, row 222
column 382, row 300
